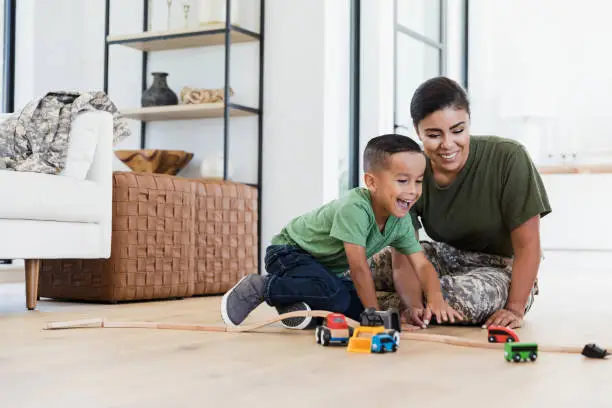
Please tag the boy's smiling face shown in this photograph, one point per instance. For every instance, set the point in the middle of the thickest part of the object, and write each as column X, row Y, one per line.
column 397, row 186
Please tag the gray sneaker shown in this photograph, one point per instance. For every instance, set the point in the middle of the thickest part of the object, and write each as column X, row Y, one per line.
column 298, row 323
column 242, row 299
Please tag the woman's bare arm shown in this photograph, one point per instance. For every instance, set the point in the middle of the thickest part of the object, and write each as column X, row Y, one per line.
column 527, row 253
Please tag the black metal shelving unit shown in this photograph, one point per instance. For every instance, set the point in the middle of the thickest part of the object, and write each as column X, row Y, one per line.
column 8, row 78
column 225, row 36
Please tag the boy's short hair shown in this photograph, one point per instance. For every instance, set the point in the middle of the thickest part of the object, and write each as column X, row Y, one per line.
column 380, row 148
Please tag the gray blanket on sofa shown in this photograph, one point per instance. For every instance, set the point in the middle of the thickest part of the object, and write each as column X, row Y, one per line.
column 36, row 139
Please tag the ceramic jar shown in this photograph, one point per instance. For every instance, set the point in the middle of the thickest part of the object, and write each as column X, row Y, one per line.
column 159, row 94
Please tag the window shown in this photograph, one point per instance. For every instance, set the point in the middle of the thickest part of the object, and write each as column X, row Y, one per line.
column 420, row 52
column 394, row 48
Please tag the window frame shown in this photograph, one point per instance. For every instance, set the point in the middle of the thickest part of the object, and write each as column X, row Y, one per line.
column 355, row 94
column 8, row 56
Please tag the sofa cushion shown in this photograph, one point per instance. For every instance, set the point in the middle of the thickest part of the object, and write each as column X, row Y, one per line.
column 39, row 196
column 82, row 147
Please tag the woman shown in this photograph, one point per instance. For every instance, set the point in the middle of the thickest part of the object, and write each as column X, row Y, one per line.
column 481, row 206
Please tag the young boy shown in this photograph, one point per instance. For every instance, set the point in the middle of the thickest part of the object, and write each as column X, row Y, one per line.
column 319, row 261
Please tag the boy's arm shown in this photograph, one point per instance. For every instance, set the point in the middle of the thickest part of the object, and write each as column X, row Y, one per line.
column 406, row 280
column 361, row 275
column 428, row 277
column 426, row 273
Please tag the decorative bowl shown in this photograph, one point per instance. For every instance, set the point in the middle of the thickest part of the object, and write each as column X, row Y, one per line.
column 155, row 160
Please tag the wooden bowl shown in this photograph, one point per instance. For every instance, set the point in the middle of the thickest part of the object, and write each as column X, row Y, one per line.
column 155, row 160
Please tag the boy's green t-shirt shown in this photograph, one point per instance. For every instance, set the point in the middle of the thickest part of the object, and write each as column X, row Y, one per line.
column 498, row 189
column 322, row 232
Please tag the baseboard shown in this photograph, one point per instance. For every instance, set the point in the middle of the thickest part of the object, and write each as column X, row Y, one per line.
column 11, row 274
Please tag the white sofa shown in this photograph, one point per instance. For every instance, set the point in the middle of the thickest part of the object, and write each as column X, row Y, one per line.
column 69, row 215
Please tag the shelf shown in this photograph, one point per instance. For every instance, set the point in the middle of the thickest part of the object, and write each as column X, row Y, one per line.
column 205, row 36
column 186, row 112
column 576, row 169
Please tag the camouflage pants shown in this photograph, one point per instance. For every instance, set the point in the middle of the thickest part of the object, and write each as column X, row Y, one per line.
column 474, row 284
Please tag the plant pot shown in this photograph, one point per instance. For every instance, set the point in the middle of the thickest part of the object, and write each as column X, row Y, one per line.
column 159, row 94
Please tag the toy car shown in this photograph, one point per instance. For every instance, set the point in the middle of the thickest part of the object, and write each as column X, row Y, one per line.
column 518, row 352
column 334, row 329
column 501, row 334
column 382, row 343
column 379, row 332
column 373, row 339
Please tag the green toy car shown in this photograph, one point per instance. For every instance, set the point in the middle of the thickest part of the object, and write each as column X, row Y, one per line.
column 519, row 352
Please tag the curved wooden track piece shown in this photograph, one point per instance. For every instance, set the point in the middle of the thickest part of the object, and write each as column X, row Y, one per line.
column 433, row 338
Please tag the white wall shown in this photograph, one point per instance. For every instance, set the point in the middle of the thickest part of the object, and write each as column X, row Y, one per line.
column 539, row 73
column 305, row 100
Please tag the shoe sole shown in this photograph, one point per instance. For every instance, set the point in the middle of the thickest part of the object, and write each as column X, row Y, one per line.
column 304, row 323
column 224, row 315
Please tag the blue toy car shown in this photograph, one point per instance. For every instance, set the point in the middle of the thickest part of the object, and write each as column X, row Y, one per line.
column 383, row 342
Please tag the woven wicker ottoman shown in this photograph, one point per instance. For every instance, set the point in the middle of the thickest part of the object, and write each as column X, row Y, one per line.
column 172, row 238
column 225, row 235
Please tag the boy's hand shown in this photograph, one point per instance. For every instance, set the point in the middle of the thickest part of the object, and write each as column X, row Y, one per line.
column 438, row 307
column 416, row 315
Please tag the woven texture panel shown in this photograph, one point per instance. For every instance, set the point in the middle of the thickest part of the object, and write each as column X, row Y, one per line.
column 172, row 237
column 226, row 235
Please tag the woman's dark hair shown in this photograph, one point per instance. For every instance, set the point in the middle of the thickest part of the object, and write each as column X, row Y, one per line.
column 436, row 94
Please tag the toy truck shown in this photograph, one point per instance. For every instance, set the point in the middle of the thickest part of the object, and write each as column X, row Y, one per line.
column 334, row 329
column 519, row 352
column 389, row 319
column 501, row 334
column 379, row 332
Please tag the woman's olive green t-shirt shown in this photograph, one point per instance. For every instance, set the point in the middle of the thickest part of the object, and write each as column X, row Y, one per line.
column 498, row 189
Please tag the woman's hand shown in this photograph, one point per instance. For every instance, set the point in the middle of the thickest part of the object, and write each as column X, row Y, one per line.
column 504, row 317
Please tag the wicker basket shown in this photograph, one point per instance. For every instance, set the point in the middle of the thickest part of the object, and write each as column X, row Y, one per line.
column 172, row 237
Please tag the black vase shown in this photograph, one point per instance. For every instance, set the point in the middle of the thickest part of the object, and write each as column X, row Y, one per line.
column 159, row 94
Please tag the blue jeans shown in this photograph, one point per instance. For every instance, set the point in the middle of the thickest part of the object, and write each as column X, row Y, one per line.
column 296, row 276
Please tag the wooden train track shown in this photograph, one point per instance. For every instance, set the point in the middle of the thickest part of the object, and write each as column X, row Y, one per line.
column 434, row 338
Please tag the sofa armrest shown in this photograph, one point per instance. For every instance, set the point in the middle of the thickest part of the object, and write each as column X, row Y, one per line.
column 101, row 170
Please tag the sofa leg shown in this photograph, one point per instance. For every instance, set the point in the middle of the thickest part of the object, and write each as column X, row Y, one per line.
column 32, row 268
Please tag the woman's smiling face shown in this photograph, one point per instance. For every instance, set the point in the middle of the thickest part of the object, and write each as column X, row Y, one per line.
column 446, row 140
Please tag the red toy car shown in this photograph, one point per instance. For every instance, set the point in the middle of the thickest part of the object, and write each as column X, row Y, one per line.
column 335, row 329
column 501, row 334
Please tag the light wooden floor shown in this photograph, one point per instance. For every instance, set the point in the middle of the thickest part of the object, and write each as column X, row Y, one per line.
column 157, row 368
